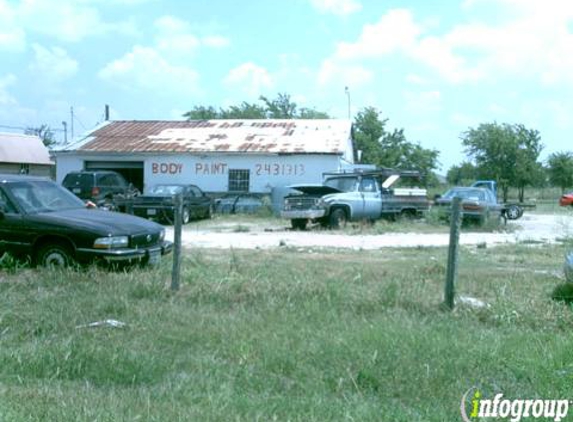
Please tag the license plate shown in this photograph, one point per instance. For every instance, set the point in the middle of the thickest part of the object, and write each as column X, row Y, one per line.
column 154, row 257
column 77, row 190
column 151, row 211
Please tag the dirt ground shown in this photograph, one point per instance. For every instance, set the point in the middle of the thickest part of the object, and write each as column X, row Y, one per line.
column 542, row 228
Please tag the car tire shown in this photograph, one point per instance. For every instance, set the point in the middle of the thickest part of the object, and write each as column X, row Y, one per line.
column 299, row 223
column 337, row 218
column 54, row 255
column 513, row 212
column 185, row 215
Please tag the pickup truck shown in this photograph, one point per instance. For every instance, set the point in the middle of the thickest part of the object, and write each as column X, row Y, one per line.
column 353, row 196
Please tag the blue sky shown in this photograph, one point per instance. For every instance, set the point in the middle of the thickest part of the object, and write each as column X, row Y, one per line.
column 434, row 68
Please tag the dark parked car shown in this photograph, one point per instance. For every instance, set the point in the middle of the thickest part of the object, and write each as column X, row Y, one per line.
column 159, row 203
column 242, row 203
column 478, row 204
column 98, row 186
column 41, row 220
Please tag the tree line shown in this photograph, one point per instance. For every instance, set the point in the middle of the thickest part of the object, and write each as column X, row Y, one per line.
column 506, row 153
column 509, row 154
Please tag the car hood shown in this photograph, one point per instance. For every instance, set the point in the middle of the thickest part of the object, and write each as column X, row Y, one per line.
column 99, row 221
column 315, row 189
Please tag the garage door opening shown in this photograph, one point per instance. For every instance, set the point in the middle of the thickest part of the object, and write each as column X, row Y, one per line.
column 131, row 170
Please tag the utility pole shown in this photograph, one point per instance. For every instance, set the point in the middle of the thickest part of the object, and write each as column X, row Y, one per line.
column 347, row 91
column 65, row 132
column 72, row 123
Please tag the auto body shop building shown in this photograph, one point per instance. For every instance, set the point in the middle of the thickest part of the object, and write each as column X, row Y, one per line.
column 217, row 155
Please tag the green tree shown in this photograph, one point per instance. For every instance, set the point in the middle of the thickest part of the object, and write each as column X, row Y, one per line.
column 462, row 174
column 44, row 133
column 391, row 149
column 243, row 111
column 202, row 113
column 280, row 107
column 506, row 153
column 560, row 169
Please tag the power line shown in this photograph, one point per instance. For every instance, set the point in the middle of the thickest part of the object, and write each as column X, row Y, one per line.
column 28, row 127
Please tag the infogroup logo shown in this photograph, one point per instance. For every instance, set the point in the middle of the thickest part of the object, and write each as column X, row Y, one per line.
column 474, row 406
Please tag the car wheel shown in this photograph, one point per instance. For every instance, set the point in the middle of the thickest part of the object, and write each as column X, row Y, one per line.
column 513, row 212
column 337, row 218
column 185, row 216
column 299, row 223
column 54, row 255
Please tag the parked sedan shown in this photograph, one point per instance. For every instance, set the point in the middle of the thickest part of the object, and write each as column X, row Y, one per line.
column 159, row 203
column 478, row 204
column 566, row 200
column 41, row 220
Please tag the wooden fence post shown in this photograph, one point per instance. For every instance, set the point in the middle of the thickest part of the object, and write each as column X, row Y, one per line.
column 177, row 225
column 452, row 271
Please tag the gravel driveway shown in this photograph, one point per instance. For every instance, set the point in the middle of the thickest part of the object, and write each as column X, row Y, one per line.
column 530, row 228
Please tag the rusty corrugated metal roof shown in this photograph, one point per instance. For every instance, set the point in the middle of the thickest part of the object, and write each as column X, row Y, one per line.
column 236, row 136
column 23, row 149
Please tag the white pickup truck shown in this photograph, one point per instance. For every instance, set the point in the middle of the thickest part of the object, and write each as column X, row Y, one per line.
column 353, row 196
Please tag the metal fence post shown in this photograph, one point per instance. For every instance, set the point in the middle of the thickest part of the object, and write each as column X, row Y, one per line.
column 177, row 225
column 452, row 271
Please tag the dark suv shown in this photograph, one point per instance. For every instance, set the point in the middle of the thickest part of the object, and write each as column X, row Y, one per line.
column 97, row 185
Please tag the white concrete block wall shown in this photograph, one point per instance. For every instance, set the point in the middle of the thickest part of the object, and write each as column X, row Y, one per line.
column 211, row 171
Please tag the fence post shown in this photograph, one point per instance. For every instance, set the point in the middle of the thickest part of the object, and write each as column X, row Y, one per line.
column 452, row 271
column 177, row 223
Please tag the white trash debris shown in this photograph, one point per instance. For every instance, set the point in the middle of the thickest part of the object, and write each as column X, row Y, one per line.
column 472, row 301
column 106, row 322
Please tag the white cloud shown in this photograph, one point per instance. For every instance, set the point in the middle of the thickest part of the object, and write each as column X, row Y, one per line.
column 145, row 68
column 175, row 37
column 333, row 72
column 65, row 20
column 53, row 64
column 250, row 78
column 530, row 39
column 424, row 101
column 12, row 37
column 5, row 82
column 395, row 31
column 215, row 41
column 337, row 7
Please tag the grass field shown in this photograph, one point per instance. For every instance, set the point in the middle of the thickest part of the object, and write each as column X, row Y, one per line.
column 286, row 335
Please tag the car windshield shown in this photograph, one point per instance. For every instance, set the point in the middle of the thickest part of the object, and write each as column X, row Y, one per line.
column 166, row 189
column 343, row 184
column 470, row 194
column 43, row 196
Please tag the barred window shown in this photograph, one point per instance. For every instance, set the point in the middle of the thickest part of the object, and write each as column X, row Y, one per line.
column 239, row 180
column 24, row 168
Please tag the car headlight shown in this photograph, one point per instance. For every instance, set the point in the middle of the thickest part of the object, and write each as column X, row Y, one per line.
column 111, row 242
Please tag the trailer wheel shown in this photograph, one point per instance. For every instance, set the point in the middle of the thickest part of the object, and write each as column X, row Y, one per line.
column 337, row 218
column 513, row 212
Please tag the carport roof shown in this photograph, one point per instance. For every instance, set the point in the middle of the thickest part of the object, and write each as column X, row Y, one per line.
column 23, row 149
column 327, row 136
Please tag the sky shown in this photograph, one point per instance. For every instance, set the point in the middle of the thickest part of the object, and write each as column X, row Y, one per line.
column 435, row 68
